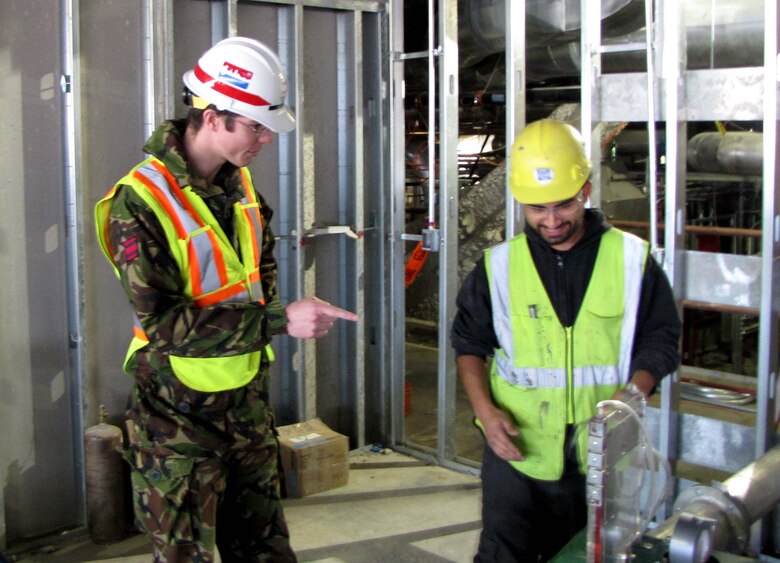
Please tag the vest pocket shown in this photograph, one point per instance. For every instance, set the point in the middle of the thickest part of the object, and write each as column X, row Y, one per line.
column 216, row 374
column 535, row 336
column 597, row 334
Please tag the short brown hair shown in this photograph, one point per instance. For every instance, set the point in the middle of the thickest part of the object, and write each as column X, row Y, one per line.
column 195, row 117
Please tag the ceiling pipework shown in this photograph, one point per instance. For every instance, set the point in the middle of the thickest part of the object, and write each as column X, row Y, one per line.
column 721, row 34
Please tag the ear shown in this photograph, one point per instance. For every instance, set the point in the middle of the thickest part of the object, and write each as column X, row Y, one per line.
column 586, row 189
column 210, row 118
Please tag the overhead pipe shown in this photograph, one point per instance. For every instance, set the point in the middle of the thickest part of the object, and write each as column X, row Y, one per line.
column 732, row 152
column 731, row 36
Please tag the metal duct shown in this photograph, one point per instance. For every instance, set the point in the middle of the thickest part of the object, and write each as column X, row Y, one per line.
column 720, row 34
column 718, row 517
column 733, row 152
column 548, row 23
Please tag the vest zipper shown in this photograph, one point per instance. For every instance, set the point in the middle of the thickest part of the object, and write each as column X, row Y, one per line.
column 570, row 414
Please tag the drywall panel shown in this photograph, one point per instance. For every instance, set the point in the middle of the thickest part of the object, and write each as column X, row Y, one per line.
column 112, row 135
column 36, row 448
column 321, row 196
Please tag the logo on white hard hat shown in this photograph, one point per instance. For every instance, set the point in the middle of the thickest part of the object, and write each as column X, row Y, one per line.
column 235, row 75
column 543, row 175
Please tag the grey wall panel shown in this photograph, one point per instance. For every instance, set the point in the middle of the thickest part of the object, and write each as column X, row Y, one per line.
column 36, row 448
column 322, row 253
column 192, row 25
column 112, row 136
column 260, row 21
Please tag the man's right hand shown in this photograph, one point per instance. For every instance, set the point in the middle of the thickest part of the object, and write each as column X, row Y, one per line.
column 498, row 431
column 311, row 317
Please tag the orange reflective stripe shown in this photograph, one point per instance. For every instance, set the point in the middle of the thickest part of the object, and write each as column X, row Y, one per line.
column 254, row 280
column 177, row 191
column 253, row 215
column 219, row 258
column 249, row 216
column 415, row 263
column 223, row 294
column 195, row 277
column 162, row 200
column 139, row 333
column 248, row 190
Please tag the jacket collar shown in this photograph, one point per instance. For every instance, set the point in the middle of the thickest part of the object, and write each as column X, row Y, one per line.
column 166, row 143
column 595, row 226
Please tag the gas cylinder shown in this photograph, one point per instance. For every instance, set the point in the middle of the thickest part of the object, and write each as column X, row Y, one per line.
column 105, row 481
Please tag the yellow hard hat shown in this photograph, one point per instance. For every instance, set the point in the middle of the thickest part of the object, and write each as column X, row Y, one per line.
column 548, row 163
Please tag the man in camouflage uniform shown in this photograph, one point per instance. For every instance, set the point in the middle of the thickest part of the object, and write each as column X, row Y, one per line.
column 205, row 455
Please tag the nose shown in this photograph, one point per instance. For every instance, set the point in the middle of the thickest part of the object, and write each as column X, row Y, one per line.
column 553, row 214
column 266, row 137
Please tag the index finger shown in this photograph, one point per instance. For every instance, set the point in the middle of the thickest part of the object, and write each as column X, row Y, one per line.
column 339, row 313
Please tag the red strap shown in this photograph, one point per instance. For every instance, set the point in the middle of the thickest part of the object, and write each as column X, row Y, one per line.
column 415, row 263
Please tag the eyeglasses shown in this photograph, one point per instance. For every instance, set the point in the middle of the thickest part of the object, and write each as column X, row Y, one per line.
column 258, row 130
column 564, row 209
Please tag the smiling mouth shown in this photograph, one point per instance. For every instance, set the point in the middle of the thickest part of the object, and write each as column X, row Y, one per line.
column 559, row 229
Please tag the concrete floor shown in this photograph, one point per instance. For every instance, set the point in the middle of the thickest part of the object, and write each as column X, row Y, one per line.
column 421, row 420
column 394, row 508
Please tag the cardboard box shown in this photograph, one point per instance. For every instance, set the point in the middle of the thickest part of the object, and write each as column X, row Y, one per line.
column 314, row 458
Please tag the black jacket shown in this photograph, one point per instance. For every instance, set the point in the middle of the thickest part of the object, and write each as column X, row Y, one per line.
column 565, row 276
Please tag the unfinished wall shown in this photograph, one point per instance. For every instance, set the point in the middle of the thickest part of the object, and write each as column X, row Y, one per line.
column 66, row 321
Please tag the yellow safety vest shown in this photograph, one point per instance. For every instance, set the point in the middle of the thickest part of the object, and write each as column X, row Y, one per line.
column 212, row 270
column 546, row 375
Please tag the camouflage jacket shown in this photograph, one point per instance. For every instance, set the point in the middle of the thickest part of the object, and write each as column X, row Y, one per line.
column 154, row 283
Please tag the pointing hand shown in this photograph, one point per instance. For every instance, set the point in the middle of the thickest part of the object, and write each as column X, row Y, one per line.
column 312, row 317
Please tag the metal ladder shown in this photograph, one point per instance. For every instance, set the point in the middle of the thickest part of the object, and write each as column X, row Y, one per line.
column 667, row 91
column 595, row 89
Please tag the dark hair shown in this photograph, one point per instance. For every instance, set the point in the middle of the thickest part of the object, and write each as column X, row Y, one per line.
column 195, row 117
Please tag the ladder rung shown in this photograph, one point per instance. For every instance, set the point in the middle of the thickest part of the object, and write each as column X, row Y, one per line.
column 622, row 48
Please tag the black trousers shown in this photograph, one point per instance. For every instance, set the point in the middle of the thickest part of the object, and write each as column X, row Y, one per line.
column 526, row 520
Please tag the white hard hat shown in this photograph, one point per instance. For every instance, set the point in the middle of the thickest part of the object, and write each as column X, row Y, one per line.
column 243, row 76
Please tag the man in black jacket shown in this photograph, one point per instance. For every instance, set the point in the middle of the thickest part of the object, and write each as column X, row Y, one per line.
column 571, row 312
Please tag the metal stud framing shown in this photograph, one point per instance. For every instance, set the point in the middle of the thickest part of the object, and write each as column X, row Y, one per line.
column 701, row 95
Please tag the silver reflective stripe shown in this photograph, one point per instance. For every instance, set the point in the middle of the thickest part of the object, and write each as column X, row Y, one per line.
column 162, row 183
column 589, row 376
column 634, row 256
column 548, row 378
column 499, row 297
column 207, row 266
column 253, row 216
column 241, row 297
column 552, row 378
column 257, row 289
column 204, row 249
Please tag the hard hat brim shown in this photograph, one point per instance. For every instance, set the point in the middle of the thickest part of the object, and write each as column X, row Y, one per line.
column 281, row 120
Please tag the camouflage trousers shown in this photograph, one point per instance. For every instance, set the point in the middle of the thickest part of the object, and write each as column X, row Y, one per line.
column 205, row 472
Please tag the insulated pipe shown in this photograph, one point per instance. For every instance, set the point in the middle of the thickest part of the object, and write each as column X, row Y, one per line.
column 726, row 37
column 718, row 517
column 733, row 152
column 481, row 24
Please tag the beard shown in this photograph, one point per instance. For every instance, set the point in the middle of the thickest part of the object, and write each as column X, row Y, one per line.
column 565, row 234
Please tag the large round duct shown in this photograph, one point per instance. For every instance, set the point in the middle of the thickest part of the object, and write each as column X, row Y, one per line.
column 733, row 152
column 482, row 23
column 719, row 34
